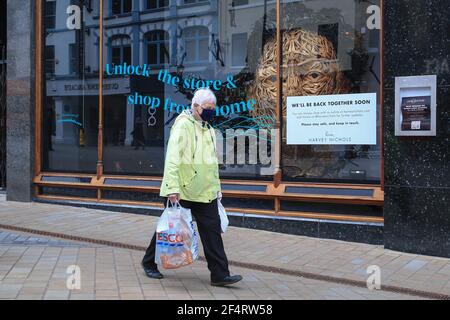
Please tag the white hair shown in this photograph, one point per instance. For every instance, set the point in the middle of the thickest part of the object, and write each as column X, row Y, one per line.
column 202, row 96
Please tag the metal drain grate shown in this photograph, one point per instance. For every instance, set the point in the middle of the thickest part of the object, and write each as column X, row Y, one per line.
column 16, row 239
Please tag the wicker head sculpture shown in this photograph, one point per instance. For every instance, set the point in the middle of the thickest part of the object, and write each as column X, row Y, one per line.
column 309, row 67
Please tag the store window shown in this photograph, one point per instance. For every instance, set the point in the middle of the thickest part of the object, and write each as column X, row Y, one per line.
column 329, row 52
column 196, row 44
column 246, row 140
column 133, row 133
column 157, row 4
column 70, row 81
column 157, row 45
column 121, row 6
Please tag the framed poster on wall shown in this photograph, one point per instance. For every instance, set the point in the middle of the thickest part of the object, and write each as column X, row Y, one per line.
column 415, row 106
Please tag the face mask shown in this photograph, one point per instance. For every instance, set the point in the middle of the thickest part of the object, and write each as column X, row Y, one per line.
column 207, row 114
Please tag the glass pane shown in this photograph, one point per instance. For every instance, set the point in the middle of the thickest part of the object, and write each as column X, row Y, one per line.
column 152, row 52
column 70, row 105
column 116, row 55
column 239, row 49
column 127, row 5
column 152, row 4
column 164, row 53
column 191, row 50
column 49, row 53
column 50, row 14
column 140, row 110
column 163, row 3
column 203, row 50
column 73, row 59
column 127, row 54
column 328, row 50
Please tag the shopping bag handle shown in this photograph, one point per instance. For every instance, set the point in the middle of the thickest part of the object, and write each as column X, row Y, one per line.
column 176, row 204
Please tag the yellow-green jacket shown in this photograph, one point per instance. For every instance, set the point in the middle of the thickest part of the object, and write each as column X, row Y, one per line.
column 191, row 167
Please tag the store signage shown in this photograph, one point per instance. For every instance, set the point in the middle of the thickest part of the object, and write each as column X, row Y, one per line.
column 416, row 113
column 88, row 87
column 415, row 106
column 345, row 119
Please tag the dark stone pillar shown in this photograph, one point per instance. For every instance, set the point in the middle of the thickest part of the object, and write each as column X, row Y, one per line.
column 20, row 100
column 417, row 170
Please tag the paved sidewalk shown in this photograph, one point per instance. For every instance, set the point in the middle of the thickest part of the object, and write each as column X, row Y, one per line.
column 34, row 268
column 318, row 256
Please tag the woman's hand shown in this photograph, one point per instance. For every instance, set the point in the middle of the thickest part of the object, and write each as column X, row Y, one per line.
column 174, row 197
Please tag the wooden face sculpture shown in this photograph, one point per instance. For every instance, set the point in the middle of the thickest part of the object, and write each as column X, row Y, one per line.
column 309, row 67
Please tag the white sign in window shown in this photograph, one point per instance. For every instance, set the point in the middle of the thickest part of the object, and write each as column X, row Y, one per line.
column 345, row 119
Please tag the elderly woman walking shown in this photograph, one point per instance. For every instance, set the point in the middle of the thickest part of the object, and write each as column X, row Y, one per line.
column 191, row 177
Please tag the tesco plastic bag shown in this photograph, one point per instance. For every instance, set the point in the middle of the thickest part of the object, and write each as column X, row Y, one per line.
column 176, row 238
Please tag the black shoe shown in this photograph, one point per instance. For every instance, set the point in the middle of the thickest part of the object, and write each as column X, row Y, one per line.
column 227, row 281
column 152, row 273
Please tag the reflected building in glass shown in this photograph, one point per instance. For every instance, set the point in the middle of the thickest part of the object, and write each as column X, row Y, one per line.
column 63, row 141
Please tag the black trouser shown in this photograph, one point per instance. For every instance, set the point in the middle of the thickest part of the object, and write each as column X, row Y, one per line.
column 208, row 222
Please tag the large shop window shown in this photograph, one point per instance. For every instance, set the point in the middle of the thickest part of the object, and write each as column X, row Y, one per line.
column 208, row 45
column 328, row 50
column 328, row 55
column 70, row 104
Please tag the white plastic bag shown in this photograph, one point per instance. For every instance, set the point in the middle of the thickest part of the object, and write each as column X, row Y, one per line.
column 223, row 215
column 176, row 238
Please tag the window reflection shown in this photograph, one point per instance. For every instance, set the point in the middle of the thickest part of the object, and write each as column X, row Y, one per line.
column 196, row 44
column 328, row 50
column 70, row 105
column 156, row 4
column 157, row 47
column 121, row 6
column 206, row 44
column 121, row 50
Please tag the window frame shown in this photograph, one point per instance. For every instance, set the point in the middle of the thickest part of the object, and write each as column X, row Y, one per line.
column 52, row 16
column 48, row 61
column 157, row 7
column 232, row 48
column 158, row 44
column 122, row 8
column 194, row 2
column 121, row 47
column 40, row 73
column 196, row 39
